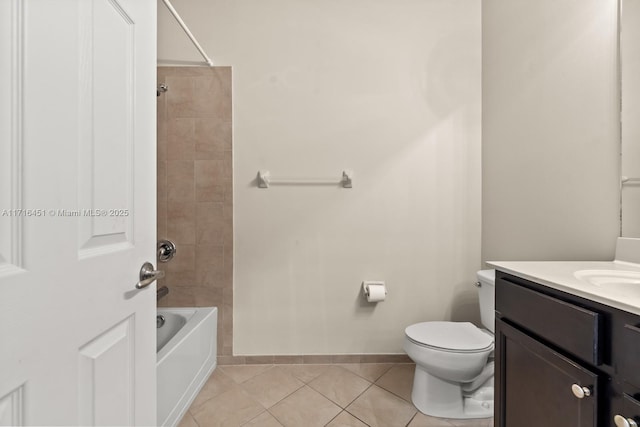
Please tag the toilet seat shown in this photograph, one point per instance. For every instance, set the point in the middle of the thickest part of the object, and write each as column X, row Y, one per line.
column 456, row 337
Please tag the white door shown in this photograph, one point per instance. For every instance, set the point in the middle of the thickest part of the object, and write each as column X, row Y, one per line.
column 77, row 211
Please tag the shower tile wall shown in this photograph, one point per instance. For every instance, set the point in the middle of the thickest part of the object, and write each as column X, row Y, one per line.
column 195, row 190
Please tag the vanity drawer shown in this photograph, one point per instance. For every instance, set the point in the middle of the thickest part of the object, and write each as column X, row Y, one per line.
column 629, row 356
column 630, row 409
column 568, row 326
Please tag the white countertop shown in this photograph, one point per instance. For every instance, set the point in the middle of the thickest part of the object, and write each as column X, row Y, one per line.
column 560, row 275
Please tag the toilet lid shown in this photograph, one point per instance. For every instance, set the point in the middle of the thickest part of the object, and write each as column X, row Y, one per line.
column 459, row 336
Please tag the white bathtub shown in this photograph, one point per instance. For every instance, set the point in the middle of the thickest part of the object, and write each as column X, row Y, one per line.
column 186, row 357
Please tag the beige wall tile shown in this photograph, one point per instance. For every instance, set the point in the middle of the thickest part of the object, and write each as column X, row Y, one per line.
column 181, row 224
column 210, row 172
column 194, row 122
column 161, row 138
column 178, row 296
column 208, row 297
column 211, row 185
column 213, row 137
column 185, row 279
column 184, row 259
column 180, row 181
column 227, row 167
column 184, row 71
column 161, row 183
column 181, row 144
column 208, row 96
column 209, row 267
column 207, row 192
column 179, row 96
column 209, row 224
column 161, row 225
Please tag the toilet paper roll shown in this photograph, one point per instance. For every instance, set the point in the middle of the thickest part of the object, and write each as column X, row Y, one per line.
column 375, row 292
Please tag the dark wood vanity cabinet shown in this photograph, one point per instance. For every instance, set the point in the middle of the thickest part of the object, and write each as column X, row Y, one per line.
column 562, row 360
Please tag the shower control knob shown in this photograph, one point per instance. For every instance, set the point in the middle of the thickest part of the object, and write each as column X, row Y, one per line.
column 580, row 392
column 166, row 250
column 621, row 421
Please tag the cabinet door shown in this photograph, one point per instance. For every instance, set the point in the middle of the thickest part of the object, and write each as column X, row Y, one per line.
column 534, row 384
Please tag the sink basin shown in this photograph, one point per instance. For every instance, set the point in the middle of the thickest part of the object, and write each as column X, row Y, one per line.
column 627, row 282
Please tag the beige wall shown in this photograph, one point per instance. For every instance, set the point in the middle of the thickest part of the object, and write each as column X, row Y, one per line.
column 195, row 196
column 550, row 130
column 630, row 81
column 390, row 90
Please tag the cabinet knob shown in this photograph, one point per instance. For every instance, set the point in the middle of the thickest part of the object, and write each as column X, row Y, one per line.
column 621, row 421
column 580, row 392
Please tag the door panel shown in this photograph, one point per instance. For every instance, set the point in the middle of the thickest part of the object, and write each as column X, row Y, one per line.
column 534, row 384
column 107, row 116
column 105, row 378
column 11, row 101
column 78, row 339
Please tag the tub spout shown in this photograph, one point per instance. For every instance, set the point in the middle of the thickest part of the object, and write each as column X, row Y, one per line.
column 162, row 291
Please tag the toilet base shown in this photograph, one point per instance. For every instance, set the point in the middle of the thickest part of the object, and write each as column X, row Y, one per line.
column 439, row 398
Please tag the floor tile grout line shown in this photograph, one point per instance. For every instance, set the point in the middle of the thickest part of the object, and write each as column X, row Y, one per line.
column 361, row 376
column 357, row 397
column 276, row 418
column 339, row 404
column 213, row 397
column 267, row 408
column 261, row 413
column 343, row 411
column 192, row 417
column 271, row 366
column 358, row 418
column 412, row 418
column 395, row 394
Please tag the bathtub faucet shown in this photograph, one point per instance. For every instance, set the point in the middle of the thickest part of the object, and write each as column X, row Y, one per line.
column 162, row 291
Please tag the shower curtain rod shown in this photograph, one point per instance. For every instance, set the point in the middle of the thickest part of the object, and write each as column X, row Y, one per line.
column 175, row 14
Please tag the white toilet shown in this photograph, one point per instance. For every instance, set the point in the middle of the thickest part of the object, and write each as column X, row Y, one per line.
column 454, row 370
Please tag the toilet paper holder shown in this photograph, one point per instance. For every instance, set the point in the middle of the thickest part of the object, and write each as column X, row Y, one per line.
column 374, row 291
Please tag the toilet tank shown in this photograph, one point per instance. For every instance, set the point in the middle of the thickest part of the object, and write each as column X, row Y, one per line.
column 487, row 298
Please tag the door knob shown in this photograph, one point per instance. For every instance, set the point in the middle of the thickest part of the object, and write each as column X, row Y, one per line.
column 148, row 275
column 580, row 392
column 621, row 421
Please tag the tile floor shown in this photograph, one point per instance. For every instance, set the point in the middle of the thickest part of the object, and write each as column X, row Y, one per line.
column 356, row 395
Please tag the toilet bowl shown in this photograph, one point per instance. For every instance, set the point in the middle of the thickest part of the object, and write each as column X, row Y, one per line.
column 454, row 367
